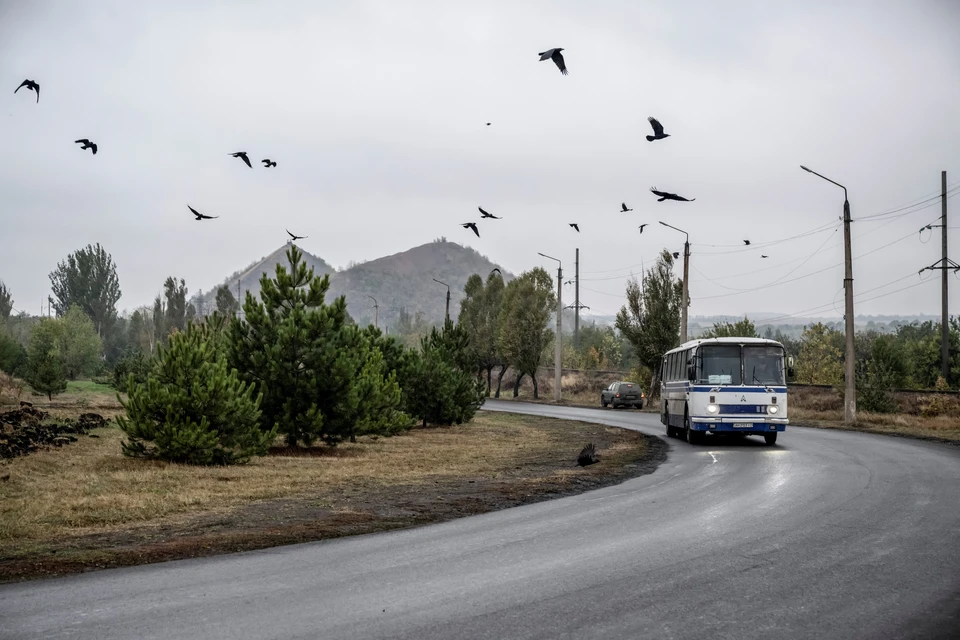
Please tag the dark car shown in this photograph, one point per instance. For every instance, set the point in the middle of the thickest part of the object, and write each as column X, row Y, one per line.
column 622, row 394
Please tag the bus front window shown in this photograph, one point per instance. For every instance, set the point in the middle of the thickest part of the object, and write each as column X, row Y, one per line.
column 720, row 364
column 763, row 365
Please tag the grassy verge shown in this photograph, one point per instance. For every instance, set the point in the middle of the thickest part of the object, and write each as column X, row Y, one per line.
column 936, row 428
column 86, row 506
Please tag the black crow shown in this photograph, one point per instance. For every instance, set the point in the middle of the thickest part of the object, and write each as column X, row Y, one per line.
column 746, row 242
column 471, row 225
column 243, row 156
column 497, row 269
column 554, row 54
column 676, row 255
column 588, row 456
column 199, row 215
column 87, row 145
column 489, row 123
column 762, row 256
column 642, row 226
column 29, row 84
column 624, row 207
column 484, row 214
column 575, row 226
column 664, row 195
column 267, row 162
column 294, row 237
column 658, row 133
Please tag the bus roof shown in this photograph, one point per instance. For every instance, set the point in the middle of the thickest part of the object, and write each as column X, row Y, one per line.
column 731, row 340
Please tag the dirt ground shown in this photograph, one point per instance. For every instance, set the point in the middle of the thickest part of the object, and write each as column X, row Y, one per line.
column 496, row 462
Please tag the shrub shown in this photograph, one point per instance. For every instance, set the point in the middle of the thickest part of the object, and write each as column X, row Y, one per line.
column 136, row 364
column 192, row 409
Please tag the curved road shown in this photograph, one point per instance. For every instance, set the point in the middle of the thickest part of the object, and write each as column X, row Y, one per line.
column 829, row 534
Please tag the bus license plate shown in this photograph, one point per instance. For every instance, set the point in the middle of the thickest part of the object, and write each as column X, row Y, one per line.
column 742, row 425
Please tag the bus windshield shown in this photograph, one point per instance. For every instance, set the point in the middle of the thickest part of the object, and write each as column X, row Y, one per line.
column 763, row 364
column 720, row 364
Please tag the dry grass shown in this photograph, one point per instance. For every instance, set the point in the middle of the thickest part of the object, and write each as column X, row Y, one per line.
column 89, row 489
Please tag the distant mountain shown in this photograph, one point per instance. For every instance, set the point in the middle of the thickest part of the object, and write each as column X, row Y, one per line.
column 406, row 280
column 401, row 280
column 248, row 278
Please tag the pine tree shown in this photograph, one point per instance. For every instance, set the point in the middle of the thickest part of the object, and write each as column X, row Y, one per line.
column 193, row 409
column 439, row 388
column 311, row 364
column 44, row 362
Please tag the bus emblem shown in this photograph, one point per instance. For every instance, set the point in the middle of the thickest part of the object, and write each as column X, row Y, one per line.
column 743, row 398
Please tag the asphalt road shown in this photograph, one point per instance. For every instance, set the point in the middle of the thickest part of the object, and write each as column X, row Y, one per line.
column 829, row 534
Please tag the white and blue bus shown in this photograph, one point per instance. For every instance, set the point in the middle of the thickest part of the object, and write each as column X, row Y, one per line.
column 724, row 385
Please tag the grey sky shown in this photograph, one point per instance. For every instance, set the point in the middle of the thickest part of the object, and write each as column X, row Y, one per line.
column 375, row 113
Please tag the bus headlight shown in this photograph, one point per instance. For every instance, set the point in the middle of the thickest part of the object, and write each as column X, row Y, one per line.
column 772, row 408
column 712, row 408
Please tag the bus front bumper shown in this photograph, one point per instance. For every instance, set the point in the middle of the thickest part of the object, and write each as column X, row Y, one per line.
column 739, row 425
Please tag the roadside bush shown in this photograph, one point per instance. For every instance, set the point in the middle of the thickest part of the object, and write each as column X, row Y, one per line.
column 13, row 357
column 192, row 408
column 873, row 388
column 438, row 390
column 134, row 363
column 937, row 404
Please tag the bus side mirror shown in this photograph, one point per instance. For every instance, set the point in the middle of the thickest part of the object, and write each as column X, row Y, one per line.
column 691, row 371
column 790, row 361
column 790, row 372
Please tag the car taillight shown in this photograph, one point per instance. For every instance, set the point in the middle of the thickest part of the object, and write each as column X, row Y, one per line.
column 618, row 395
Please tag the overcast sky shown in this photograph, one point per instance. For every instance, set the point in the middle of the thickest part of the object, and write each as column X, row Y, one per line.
column 375, row 113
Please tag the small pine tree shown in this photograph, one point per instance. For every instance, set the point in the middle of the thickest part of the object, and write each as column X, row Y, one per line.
column 438, row 389
column 44, row 363
column 193, row 409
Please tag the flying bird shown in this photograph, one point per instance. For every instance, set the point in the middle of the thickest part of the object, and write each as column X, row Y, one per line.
column 199, row 215
column 29, row 84
column 664, row 195
column 642, row 226
column 575, row 226
column 295, row 237
column 746, row 242
column 658, row 133
column 497, row 269
column 243, row 156
column 588, row 455
column 87, row 145
column 484, row 214
column 764, row 256
column 624, row 207
column 471, row 225
column 267, row 162
column 554, row 54
column 489, row 123
column 676, row 255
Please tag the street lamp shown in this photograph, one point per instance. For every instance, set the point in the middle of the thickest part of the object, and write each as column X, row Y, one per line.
column 376, row 311
column 448, row 297
column 686, row 281
column 850, row 384
column 556, row 366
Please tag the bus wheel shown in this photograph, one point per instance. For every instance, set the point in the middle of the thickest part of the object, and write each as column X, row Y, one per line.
column 770, row 438
column 693, row 437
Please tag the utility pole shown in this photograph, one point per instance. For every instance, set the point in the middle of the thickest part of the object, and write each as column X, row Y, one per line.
column 943, row 264
column 686, row 281
column 576, row 302
column 376, row 311
column 850, row 381
column 558, row 351
column 944, row 313
column 448, row 297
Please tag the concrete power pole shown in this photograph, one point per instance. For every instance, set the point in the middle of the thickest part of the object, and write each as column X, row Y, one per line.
column 945, row 314
column 558, row 356
column 576, row 302
column 943, row 264
column 448, row 297
column 686, row 290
